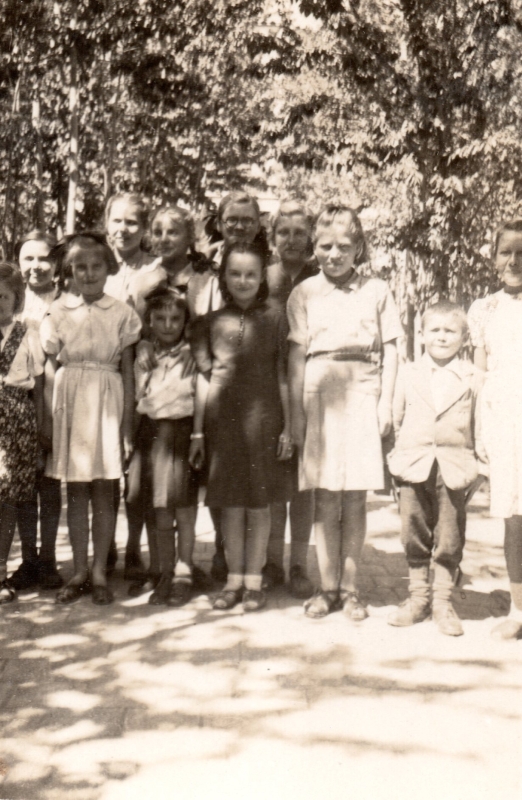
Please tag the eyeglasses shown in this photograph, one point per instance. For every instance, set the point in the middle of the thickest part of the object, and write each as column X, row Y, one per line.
column 245, row 222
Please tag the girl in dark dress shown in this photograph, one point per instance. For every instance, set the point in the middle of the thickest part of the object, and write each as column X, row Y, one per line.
column 241, row 423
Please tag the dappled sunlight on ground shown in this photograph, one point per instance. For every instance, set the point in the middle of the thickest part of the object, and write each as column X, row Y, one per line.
column 135, row 701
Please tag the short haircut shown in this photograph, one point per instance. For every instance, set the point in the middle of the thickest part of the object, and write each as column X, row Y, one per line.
column 292, row 208
column 446, row 308
column 242, row 198
column 11, row 276
column 513, row 225
column 90, row 239
column 132, row 199
column 253, row 248
column 36, row 235
column 165, row 297
column 334, row 214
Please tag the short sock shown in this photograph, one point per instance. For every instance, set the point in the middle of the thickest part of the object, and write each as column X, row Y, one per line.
column 234, row 582
column 253, row 582
column 182, row 573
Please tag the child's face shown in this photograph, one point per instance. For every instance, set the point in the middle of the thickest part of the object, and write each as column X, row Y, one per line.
column 124, row 228
column 443, row 336
column 7, row 304
column 335, row 250
column 167, row 325
column 89, row 270
column 292, row 237
column 37, row 270
column 240, row 223
column 508, row 260
column 169, row 237
column 243, row 276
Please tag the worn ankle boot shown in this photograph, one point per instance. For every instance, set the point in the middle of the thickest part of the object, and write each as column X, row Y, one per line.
column 444, row 615
column 416, row 607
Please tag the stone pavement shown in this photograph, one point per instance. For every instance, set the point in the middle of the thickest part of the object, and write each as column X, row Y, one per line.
column 132, row 702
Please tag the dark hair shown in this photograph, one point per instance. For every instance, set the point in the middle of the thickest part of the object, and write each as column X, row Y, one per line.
column 253, row 248
column 198, row 261
column 62, row 250
column 163, row 297
column 12, row 277
column 36, row 235
column 514, row 225
column 339, row 213
column 133, row 199
column 446, row 308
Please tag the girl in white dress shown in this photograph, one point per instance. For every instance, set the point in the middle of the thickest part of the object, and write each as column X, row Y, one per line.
column 342, row 368
column 89, row 341
column 495, row 324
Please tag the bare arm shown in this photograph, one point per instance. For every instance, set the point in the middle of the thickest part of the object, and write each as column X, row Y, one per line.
column 197, row 445
column 127, row 374
column 480, row 358
column 46, row 430
column 296, row 373
column 285, row 446
column 389, row 374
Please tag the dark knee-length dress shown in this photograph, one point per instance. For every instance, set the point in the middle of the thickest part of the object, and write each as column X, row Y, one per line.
column 244, row 414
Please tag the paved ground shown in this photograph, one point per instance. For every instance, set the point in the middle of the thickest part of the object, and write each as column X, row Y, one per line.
column 134, row 702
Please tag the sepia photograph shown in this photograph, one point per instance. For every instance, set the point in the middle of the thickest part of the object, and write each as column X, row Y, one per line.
column 260, row 399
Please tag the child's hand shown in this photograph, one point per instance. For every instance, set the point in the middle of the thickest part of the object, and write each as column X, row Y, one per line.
column 145, row 355
column 384, row 416
column 285, row 448
column 197, row 453
column 128, row 448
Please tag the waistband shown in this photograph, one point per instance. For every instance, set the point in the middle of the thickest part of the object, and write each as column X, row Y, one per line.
column 346, row 355
column 92, row 365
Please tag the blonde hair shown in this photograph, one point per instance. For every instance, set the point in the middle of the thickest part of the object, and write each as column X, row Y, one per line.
column 139, row 201
column 344, row 214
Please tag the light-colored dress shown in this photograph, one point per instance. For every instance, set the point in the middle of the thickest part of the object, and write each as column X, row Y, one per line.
column 135, row 279
column 495, row 324
column 36, row 307
column 344, row 330
column 88, row 341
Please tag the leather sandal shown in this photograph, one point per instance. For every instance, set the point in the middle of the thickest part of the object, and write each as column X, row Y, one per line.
column 227, row 599
column 73, row 592
column 321, row 604
column 7, row 592
column 352, row 606
column 102, row 596
column 161, row 593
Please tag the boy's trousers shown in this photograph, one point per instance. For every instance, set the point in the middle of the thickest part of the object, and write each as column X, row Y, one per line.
column 433, row 521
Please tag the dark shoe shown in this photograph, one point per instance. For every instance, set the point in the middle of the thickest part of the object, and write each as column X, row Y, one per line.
column 227, row 599
column 219, row 569
column 301, row 586
column 180, row 594
column 321, row 604
column 134, row 569
column 509, row 630
column 253, row 600
column 352, row 606
column 273, row 576
column 446, row 619
column 201, row 582
column 102, row 596
column 410, row 612
column 48, row 576
column 161, row 593
column 7, row 592
column 26, row 576
column 146, row 584
column 73, row 592
column 112, row 558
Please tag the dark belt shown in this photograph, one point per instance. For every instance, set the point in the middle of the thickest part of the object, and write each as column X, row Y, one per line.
column 346, row 355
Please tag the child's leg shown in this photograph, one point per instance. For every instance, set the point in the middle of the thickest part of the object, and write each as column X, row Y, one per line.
column 301, row 520
column 328, row 537
column 353, row 527
column 233, row 524
column 103, row 525
column 137, row 501
column 417, row 508
column 78, row 496
column 219, row 567
column 26, row 576
column 511, row 628
column 8, row 514
column 182, row 585
column 274, row 570
column 164, row 528
column 152, row 539
column 449, row 536
column 50, row 509
column 256, row 541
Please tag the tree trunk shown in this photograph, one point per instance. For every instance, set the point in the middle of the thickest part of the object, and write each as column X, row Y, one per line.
column 73, row 144
column 36, row 120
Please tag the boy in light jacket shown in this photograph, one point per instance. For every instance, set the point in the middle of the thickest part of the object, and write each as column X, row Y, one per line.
column 438, row 461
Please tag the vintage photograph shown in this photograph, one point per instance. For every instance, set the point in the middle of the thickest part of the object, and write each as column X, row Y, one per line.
column 260, row 399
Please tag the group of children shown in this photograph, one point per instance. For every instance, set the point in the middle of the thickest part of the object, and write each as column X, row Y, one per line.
column 271, row 380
